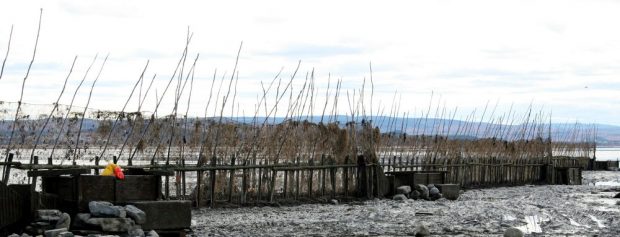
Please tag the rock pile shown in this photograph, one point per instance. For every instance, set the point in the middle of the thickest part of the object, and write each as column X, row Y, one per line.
column 103, row 219
column 50, row 222
column 430, row 192
column 104, row 216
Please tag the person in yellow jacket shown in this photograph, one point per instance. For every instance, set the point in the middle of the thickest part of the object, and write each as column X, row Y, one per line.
column 113, row 170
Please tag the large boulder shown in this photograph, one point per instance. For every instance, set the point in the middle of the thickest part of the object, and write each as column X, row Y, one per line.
column 513, row 232
column 424, row 193
column 405, row 189
column 105, row 209
column 136, row 214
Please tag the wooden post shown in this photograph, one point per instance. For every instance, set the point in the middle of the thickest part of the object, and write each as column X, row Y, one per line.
column 260, row 183
column 34, row 177
column 97, row 164
column 297, row 174
column 183, row 178
column 322, row 171
column 285, row 186
column 244, row 183
column 310, row 174
column 332, row 176
column 274, row 174
column 198, row 187
column 7, row 169
column 212, row 190
column 231, row 179
column 345, row 173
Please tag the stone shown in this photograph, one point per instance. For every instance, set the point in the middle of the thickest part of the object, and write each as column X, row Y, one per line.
column 81, row 220
column 64, row 221
column 136, row 232
column 54, row 232
column 429, row 186
column 114, row 224
column 400, row 197
column 334, row 201
column 424, row 194
column 152, row 233
column 105, row 209
column 513, row 232
column 13, row 235
column 405, row 189
column 450, row 191
column 617, row 195
column 49, row 215
column 415, row 195
column 433, row 191
column 136, row 214
column 421, row 230
column 66, row 234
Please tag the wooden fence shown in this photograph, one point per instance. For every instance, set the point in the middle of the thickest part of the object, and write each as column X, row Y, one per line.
column 253, row 182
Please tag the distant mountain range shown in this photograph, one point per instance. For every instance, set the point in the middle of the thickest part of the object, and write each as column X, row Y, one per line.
column 607, row 135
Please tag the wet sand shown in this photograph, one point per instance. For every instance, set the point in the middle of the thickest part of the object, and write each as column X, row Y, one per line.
column 549, row 210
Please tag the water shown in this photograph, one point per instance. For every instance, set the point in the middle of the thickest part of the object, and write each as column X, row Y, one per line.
column 607, row 153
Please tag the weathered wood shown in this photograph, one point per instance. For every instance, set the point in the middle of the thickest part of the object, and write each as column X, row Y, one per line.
column 310, row 174
column 322, row 177
column 345, row 179
column 285, row 185
column 231, row 179
column 51, row 173
column 7, row 169
column 260, row 184
column 332, row 178
column 212, row 187
column 244, row 183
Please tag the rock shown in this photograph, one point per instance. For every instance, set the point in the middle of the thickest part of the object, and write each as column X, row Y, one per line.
column 136, row 214
column 513, row 232
column 424, row 194
column 54, row 232
column 415, row 195
column 152, row 233
column 405, row 189
column 617, row 195
column 66, row 234
column 114, row 224
column 334, row 201
column 49, row 215
column 13, row 235
column 64, row 221
column 430, row 186
column 434, row 193
column 136, row 232
column 421, row 230
column 400, row 197
column 81, row 220
column 105, row 209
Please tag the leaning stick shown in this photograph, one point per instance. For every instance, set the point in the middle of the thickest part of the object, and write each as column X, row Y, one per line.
column 90, row 94
column 8, row 48
column 53, row 109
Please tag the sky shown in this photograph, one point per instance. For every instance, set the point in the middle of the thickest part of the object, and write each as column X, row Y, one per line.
column 563, row 57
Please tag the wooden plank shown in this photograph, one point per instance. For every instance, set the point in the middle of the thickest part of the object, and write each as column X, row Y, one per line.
column 57, row 172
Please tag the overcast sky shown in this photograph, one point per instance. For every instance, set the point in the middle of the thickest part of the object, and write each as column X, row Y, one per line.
column 564, row 56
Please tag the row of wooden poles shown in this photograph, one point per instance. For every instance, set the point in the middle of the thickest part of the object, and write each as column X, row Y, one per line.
column 252, row 182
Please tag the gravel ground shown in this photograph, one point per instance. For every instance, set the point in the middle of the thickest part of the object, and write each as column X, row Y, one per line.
column 550, row 210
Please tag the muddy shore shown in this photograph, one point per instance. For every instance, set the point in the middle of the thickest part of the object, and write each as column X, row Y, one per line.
column 550, row 210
